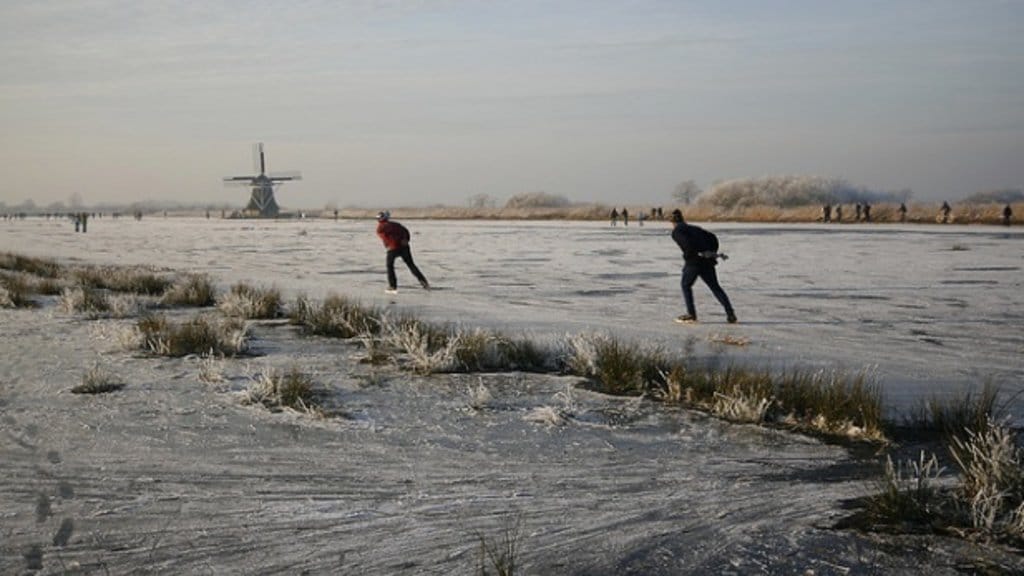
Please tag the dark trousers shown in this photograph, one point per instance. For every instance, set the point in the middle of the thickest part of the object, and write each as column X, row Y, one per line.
column 706, row 272
column 406, row 255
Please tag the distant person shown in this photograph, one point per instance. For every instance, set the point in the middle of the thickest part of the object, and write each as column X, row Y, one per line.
column 867, row 212
column 944, row 211
column 654, row 213
column 615, row 216
column 661, row 215
column 903, row 211
column 826, row 213
column 625, row 217
column 396, row 241
column 839, row 212
column 640, row 217
column 1007, row 215
column 857, row 209
column 700, row 256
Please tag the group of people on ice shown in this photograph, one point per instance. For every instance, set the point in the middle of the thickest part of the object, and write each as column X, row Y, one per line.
column 863, row 213
column 699, row 248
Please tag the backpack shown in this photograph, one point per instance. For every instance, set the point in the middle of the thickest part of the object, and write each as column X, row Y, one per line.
column 703, row 240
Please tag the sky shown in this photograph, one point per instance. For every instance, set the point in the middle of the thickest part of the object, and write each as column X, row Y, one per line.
column 390, row 103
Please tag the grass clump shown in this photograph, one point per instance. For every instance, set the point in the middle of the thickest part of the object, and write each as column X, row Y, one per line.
column 986, row 501
column 285, row 390
column 429, row 349
column 616, row 367
column 991, row 491
column 953, row 416
column 832, row 403
column 499, row 556
column 41, row 267
column 484, row 350
column 819, row 402
column 908, row 492
column 97, row 381
column 122, row 279
column 190, row 290
column 15, row 292
column 200, row 335
column 211, row 369
column 336, row 317
column 84, row 300
column 245, row 301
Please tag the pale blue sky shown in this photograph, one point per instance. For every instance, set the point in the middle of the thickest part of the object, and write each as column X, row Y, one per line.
column 432, row 101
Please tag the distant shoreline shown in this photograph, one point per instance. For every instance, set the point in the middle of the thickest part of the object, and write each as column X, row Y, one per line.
column 917, row 213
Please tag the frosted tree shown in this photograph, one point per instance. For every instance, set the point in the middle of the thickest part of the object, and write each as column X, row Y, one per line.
column 686, row 192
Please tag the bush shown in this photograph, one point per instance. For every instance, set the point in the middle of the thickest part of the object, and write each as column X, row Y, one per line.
column 790, row 192
column 537, row 200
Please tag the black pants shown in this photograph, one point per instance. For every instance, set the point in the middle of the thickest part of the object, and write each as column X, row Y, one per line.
column 406, row 255
column 706, row 272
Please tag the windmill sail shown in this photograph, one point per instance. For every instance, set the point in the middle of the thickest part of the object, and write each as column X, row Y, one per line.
column 262, row 202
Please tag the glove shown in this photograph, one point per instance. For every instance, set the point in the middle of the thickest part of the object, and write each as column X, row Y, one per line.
column 712, row 255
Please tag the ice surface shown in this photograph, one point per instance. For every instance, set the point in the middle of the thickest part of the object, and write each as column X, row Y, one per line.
column 928, row 309
column 174, row 475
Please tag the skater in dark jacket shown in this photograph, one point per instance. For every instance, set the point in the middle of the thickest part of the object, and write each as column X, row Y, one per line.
column 396, row 241
column 700, row 256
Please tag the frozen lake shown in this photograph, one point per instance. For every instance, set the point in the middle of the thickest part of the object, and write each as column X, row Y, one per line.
column 927, row 309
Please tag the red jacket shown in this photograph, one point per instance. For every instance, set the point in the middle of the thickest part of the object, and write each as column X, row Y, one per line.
column 393, row 234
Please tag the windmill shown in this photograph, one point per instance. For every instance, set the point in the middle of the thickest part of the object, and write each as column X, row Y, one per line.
column 262, row 201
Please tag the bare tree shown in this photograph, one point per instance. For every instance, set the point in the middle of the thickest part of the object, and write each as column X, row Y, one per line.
column 686, row 192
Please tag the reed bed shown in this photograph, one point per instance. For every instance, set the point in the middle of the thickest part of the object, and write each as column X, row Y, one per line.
column 882, row 212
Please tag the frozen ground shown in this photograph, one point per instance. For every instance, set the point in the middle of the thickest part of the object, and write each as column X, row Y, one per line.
column 175, row 476
column 928, row 309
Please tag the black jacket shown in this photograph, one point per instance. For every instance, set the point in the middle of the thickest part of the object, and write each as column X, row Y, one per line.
column 693, row 240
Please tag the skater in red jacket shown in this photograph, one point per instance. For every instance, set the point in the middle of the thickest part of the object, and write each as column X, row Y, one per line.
column 396, row 241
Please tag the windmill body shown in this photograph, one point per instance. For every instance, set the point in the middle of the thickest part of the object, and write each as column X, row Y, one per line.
column 262, row 203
